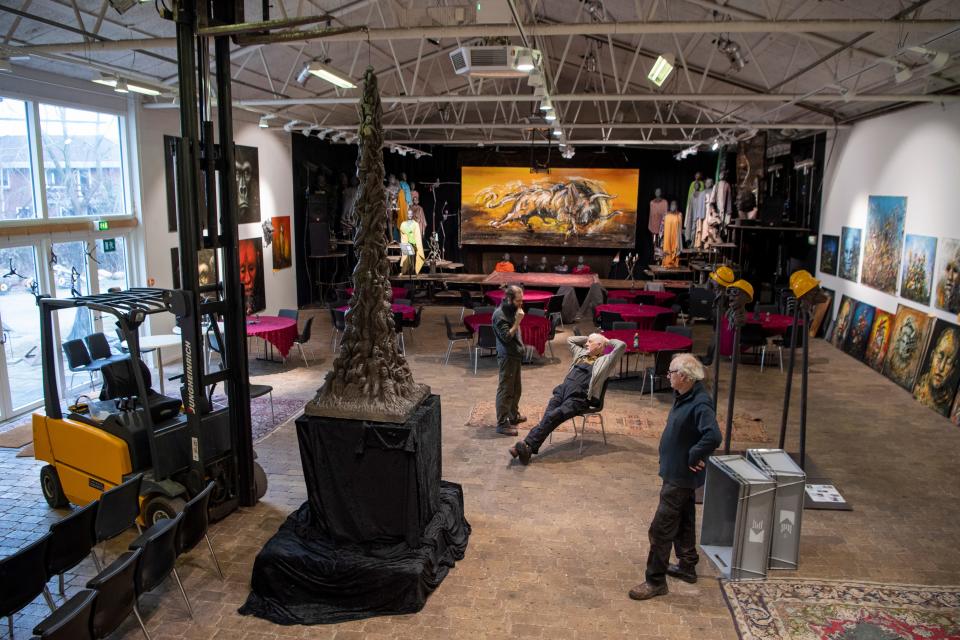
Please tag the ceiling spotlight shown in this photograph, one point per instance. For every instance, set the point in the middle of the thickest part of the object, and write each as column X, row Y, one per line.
column 289, row 127
column 331, row 75
column 937, row 60
column 304, row 75
column 557, row 131
column 661, row 69
column 121, row 86
column 715, row 145
column 525, row 62
column 306, row 132
column 567, row 152
column 265, row 120
column 730, row 49
column 549, row 116
column 546, row 105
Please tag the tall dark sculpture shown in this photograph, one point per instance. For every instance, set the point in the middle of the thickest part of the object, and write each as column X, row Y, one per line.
column 370, row 378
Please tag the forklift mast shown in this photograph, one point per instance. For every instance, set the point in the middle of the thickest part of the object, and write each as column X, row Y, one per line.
column 207, row 219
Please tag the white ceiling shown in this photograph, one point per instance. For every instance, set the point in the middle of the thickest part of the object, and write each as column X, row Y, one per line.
column 780, row 59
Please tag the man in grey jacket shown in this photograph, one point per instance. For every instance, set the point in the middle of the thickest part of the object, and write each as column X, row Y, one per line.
column 577, row 393
column 506, row 327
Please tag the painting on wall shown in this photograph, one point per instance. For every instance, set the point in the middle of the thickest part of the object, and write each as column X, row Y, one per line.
column 206, row 266
column 917, row 277
column 281, row 243
column 820, row 313
column 579, row 207
column 248, row 184
column 829, row 250
column 940, row 368
column 947, row 291
column 251, row 275
column 858, row 334
column 849, row 253
column 842, row 325
column 879, row 339
column 883, row 242
column 907, row 343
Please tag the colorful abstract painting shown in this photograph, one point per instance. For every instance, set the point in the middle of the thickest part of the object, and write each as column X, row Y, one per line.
column 940, row 368
column 829, row 250
column 858, row 335
column 281, row 242
column 842, row 324
column 578, row 207
column 947, row 289
column 916, row 279
column 879, row 339
column 907, row 344
column 849, row 253
column 883, row 242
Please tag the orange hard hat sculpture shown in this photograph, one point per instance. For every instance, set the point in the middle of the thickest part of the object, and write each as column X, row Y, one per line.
column 806, row 288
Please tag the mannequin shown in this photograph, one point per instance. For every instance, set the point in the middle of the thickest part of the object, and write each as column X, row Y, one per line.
column 505, row 265
column 410, row 233
column 697, row 211
column 542, row 267
column 696, row 185
column 658, row 209
column 672, row 223
column 710, row 229
column 524, row 265
column 723, row 196
column 581, row 267
column 404, row 199
column 417, row 210
column 563, row 267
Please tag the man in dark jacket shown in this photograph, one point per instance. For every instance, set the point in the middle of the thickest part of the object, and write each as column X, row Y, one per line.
column 506, row 327
column 689, row 438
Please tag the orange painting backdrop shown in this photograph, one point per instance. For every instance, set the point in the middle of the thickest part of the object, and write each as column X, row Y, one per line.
column 575, row 207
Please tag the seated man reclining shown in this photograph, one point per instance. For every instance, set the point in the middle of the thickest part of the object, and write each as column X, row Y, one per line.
column 578, row 392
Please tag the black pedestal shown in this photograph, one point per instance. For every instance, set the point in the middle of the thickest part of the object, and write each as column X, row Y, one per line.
column 379, row 530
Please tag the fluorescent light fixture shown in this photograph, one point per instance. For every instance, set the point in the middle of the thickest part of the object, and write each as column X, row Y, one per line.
column 331, row 75
column 937, row 60
column 546, row 105
column 123, row 86
column 661, row 69
column 549, row 116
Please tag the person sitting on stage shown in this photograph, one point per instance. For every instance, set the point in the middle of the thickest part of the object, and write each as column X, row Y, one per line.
column 579, row 390
column 542, row 267
column 581, row 267
column 505, row 265
column 563, row 267
column 524, row 266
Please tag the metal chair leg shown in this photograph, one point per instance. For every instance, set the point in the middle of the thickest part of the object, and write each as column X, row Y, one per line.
column 214, row 556
column 96, row 560
column 273, row 416
column 476, row 359
column 49, row 599
column 780, row 356
column 446, row 358
column 303, row 355
column 60, row 580
column 603, row 429
column 186, row 600
column 143, row 627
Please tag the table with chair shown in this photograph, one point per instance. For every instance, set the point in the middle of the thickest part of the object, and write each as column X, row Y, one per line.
column 534, row 330
column 755, row 334
column 644, row 296
column 663, row 345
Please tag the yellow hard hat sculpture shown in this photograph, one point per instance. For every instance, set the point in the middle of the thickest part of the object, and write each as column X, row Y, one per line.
column 744, row 286
column 723, row 276
column 806, row 288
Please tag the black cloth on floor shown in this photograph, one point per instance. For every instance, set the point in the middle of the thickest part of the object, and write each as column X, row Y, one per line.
column 302, row 576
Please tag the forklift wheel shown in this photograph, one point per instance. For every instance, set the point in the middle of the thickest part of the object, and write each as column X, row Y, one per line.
column 161, row 508
column 51, row 487
column 259, row 480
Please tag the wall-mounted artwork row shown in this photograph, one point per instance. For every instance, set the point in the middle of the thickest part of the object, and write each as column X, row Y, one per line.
column 849, row 253
column 829, row 250
column 916, row 279
column 883, row 242
column 575, row 207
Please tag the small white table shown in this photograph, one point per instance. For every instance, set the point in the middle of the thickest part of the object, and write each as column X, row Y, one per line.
column 158, row 342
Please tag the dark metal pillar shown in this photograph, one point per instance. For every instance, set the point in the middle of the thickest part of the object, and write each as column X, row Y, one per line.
column 733, row 388
column 789, row 384
column 803, row 388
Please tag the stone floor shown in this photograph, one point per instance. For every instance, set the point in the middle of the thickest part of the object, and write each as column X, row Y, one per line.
column 557, row 545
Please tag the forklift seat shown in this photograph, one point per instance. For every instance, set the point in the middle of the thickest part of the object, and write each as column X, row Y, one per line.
column 119, row 382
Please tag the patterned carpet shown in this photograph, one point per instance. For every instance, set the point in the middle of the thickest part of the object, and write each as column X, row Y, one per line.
column 798, row 609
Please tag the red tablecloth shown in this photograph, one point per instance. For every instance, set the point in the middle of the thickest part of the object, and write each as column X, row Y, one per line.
column 642, row 314
column 530, row 295
column 534, row 330
column 655, row 297
column 773, row 324
column 651, row 341
column 409, row 313
column 395, row 292
column 280, row 332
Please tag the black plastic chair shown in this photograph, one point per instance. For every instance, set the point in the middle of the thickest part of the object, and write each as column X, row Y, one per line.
column 687, row 332
column 607, row 318
column 193, row 527
column 415, row 323
column 484, row 309
column 304, row 338
column 260, row 390
column 555, row 308
column 661, row 364
column 624, row 325
column 79, row 360
column 339, row 320
column 536, row 311
column 753, row 338
column 595, row 409
column 555, row 322
column 486, row 339
column 398, row 330
column 71, row 621
column 453, row 337
column 540, row 305
column 99, row 348
column 701, row 303
column 23, row 576
column 118, row 511
column 159, row 545
column 71, row 540
column 289, row 313
column 116, row 595
column 405, row 301
column 466, row 302
column 662, row 320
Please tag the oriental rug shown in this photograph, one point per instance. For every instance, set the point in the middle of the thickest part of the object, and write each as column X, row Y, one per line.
column 262, row 421
column 799, row 609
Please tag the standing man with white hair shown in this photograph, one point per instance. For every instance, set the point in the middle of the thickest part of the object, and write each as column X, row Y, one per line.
column 689, row 438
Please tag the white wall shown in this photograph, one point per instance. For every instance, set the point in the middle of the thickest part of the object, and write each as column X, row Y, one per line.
column 913, row 153
column 276, row 199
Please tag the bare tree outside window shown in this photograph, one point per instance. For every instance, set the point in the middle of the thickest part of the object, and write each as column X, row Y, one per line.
column 16, row 175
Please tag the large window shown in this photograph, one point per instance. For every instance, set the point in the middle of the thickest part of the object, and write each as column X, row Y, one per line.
column 16, row 171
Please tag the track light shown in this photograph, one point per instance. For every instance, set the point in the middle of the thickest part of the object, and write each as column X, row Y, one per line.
column 661, row 69
column 525, row 62
column 731, row 49
column 715, row 145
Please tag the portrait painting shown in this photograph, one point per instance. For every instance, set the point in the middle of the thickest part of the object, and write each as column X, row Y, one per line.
column 907, row 342
column 842, row 323
column 940, row 368
column 206, row 267
column 917, row 274
column 251, row 275
column 829, row 250
column 282, row 256
column 858, row 334
column 883, row 242
column 248, row 184
column 849, row 253
column 947, row 289
column 579, row 207
column 879, row 339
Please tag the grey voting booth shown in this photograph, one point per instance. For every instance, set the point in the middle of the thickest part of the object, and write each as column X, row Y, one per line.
column 788, row 505
column 737, row 525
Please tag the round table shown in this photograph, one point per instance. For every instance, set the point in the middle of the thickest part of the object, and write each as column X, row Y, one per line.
column 654, row 297
column 529, row 295
column 274, row 330
column 534, row 330
column 651, row 341
column 395, row 292
column 409, row 313
column 642, row 314
column 158, row 342
column 772, row 324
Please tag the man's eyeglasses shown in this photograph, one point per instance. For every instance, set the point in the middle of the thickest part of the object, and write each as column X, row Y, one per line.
column 670, row 372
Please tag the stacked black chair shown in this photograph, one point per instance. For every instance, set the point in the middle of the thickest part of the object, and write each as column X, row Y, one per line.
column 71, row 540
column 193, row 527
column 71, row 621
column 79, row 360
column 118, row 511
column 304, row 338
column 159, row 559
column 116, row 595
column 23, row 577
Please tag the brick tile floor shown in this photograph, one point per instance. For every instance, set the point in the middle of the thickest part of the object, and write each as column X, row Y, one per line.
column 557, row 545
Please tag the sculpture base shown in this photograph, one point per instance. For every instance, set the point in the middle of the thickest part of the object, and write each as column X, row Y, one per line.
column 350, row 409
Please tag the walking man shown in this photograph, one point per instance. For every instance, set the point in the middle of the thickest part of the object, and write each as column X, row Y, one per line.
column 689, row 438
column 506, row 327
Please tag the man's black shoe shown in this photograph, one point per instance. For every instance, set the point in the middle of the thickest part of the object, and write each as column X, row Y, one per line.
column 506, row 430
column 518, row 419
column 521, row 450
column 675, row 571
column 645, row 591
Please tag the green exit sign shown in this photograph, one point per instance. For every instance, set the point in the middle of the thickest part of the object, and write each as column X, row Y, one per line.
column 109, row 244
column 103, row 225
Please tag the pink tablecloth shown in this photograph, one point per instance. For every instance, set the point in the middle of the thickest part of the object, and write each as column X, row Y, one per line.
column 651, row 341
column 409, row 313
column 395, row 292
column 530, row 295
column 653, row 297
column 642, row 314
column 773, row 324
column 534, row 330
column 280, row 332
